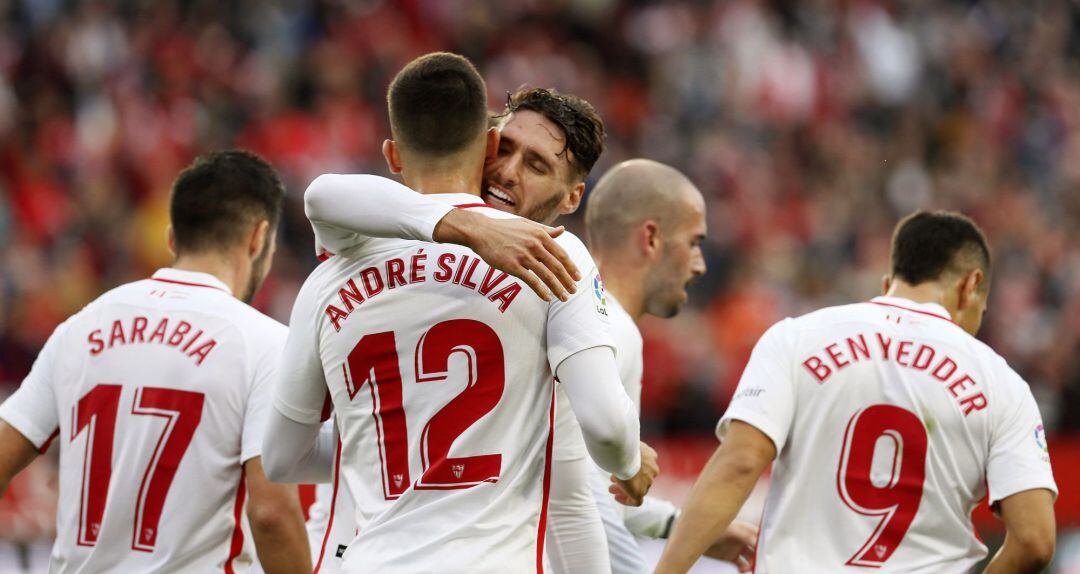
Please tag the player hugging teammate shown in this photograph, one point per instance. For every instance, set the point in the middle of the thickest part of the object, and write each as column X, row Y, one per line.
column 457, row 376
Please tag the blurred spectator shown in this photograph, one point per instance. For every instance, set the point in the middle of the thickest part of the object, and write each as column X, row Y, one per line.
column 810, row 126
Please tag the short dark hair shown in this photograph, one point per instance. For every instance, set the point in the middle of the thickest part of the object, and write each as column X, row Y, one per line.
column 438, row 104
column 929, row 244
column 578, row 119
column 219, row 195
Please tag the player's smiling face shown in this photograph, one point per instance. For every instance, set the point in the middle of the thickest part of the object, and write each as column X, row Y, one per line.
column 531, row 175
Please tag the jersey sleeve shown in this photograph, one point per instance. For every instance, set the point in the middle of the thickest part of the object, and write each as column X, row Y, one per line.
column 765, row 397
column 266, row 366
column 300, row 391
column 582, row 321
column 1019, row 459
column 32, row 410
column 348, row 210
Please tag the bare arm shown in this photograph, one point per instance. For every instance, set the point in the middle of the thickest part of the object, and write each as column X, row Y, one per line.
column 717, row 496
column 277, row 523
column 16, row 452
column 346, row 210
column 1030, row 533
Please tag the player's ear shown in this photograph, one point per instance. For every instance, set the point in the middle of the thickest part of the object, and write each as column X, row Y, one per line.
column 393, row 157
column 492, row 150
column 650, row 237
column 968, row 287
column 170, row 240
column 572, row 201
column 257, row 240
column 886, row 282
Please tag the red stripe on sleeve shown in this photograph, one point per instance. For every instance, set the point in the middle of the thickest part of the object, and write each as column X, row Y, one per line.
column 49, row 441
column 238, row 529
column 333, row 506
column 542, row 531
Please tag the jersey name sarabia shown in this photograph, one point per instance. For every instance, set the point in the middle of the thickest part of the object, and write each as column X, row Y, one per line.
column 156, row 395
column 891, row 424
column 440, row 372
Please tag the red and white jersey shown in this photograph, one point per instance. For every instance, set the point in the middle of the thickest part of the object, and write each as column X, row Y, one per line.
column 331, row 523
column 156, row 394
column 440, row 372
column 891, row 424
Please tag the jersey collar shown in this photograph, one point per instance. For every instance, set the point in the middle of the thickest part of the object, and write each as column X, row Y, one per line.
column 932, row 309
column 190, row 279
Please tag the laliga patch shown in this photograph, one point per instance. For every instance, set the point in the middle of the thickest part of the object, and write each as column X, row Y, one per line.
column 599, row 297
column 1040, row 439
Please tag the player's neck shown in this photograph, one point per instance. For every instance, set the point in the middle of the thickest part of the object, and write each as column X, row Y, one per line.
column 443, row 181
column 224, row 268
column 625, row 285
column 926, row 292
column 458, row 173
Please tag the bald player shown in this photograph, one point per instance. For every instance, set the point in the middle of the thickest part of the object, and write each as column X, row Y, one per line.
column 646, row 223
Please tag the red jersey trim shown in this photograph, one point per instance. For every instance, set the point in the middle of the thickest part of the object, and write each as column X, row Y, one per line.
column 48, row 442
column 324, row 256
column 189, row 284
column 914, row 311
column 470, row 205
column 333, row 506
column 542, row 530
column 238, row 529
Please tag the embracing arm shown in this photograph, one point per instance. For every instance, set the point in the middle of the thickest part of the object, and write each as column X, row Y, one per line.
column 347, row 210
column 609, row 421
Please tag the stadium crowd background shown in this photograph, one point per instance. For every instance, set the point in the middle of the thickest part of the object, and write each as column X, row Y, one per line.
column 810, row 126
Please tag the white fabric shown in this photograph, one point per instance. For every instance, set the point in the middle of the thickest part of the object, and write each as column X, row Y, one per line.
column 138, row 348
column 331, row 525
column 331, row 205
column 412, row 287
column 623, row 523
column 298, row 453
column 608, row 418
column 807, row 385
column 575, row 537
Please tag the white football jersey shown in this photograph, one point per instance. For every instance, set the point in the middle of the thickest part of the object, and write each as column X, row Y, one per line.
column 156, row 393
column 331, row 523
column 891, row 424
column 440, row 371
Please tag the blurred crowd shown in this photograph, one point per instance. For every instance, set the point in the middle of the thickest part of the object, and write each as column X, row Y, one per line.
column 810, row 126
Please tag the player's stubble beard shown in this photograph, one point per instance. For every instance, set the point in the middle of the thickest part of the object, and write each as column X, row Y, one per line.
column 260, row 268
column 547, row 211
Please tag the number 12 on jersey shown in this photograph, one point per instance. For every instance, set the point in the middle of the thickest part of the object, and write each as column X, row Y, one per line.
column 895, row 491
column 374, row 360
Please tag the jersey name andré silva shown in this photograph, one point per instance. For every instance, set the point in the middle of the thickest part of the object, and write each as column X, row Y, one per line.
column 440, row 372
column 891, row 424
column 156, row 395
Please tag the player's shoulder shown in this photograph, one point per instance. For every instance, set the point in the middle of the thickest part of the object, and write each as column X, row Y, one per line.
column 574, row 246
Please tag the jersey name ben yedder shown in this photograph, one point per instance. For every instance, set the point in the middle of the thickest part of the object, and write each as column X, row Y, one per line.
column 156, row 395
column 891, row 424
column 440, row 372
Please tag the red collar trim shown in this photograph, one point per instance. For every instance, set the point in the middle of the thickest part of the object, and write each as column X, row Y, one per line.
column 468, row 205
column 189, row 284
column 883, row 304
